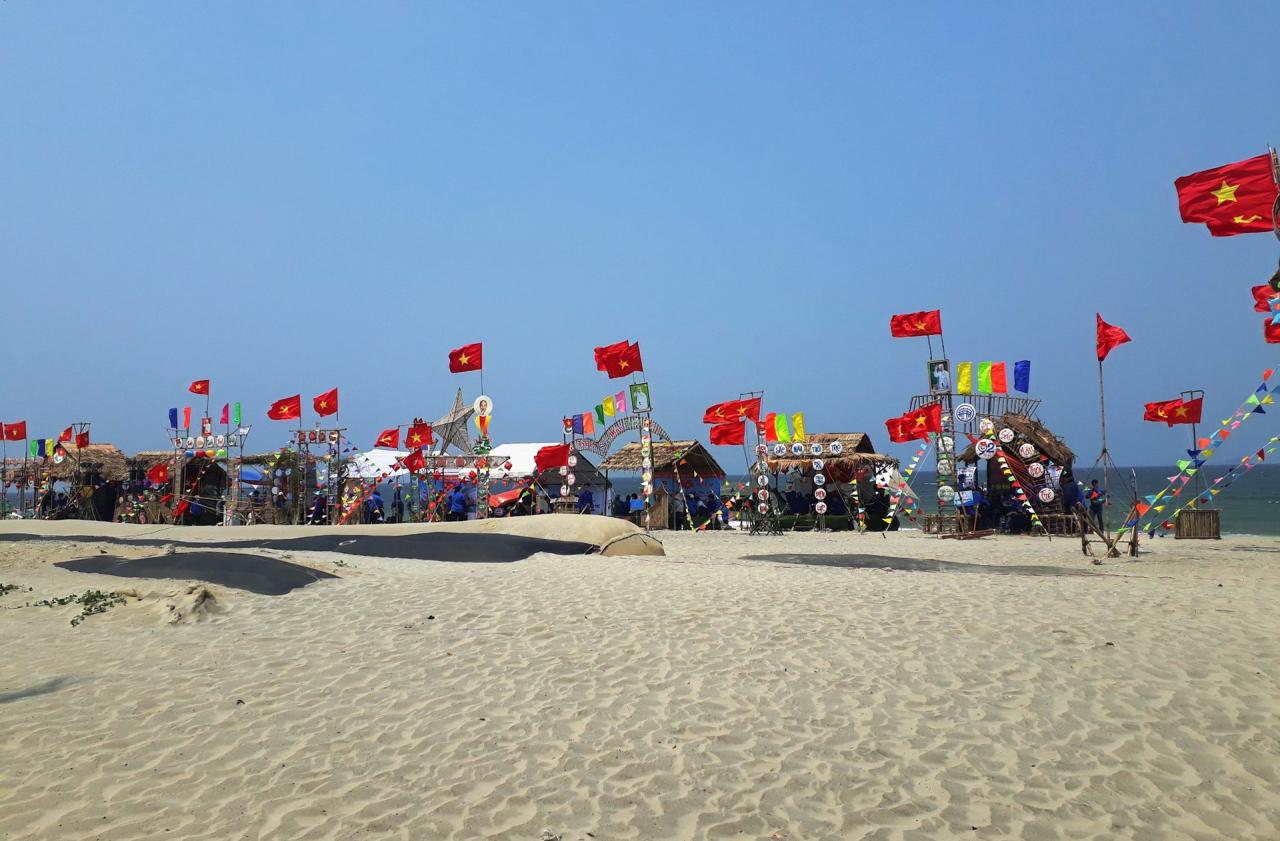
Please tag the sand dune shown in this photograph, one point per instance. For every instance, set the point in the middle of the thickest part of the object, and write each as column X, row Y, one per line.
column 700, row 695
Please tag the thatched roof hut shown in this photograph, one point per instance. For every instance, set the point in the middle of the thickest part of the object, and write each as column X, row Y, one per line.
column 856, row 451
column 668, row 457
column 1036, row 433
column 97, row 462
column 148, row 459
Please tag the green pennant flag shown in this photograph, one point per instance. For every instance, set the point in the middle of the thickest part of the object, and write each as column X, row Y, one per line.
column 782, row 429
column 1182, row 464
column 984, row 377
column 600, row 414
column 235, row 416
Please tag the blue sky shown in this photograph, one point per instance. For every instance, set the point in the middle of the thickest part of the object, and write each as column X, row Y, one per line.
column 284, row 197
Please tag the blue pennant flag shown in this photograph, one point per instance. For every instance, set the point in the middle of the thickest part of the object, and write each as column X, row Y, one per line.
column 173, row 418
column 1022, row 376
column 1257, row 410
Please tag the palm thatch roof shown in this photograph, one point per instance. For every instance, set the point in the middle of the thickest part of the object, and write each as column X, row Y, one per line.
column 147, row 459
column 104, row 459
column 668, row 457
column 856, row 451
column 1034, row 432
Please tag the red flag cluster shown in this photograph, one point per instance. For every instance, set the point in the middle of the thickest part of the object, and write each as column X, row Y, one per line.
column 1236, row 198
column 619, row 359
column 730, row 418
column 1174, row 411
column 915, row 425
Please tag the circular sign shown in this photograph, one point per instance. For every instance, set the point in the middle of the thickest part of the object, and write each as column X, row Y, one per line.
column 818, row 464
column 191, row 442
column 815, row 448
column 1006, row 435
column 483, row 406
column 836, row 448
column 985, row 448
column 762, row 449
column 1036, row 469
column 571, row 479
column 762, row 481
column 819, row 479
column 59, row 456
column 564, row 490
column 573, row 461
column 762, row 495
column 1027, row 451
column 645, row 464
column 946, row 493
column 820, row 494
column 564, row 471
column 762, row 508
column 986, row 426
column 459, row 462
column 797, row 449
column 221, row 440
column 1046, row 494
column 200, row 442
column 965, row 412
column 779, row 449
column 946, row 443
column 944, row 467
column 821, row 508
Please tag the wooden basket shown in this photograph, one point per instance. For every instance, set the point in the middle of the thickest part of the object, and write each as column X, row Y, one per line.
column 1198, row 524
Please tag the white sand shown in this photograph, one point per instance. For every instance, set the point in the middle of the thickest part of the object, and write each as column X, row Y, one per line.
column 694, row 696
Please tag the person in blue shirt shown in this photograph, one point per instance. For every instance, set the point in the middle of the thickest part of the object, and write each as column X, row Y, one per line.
column 586, row 502
column 457, row 503
column 1097, row 498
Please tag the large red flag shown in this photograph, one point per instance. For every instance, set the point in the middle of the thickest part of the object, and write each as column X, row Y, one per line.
column 770, row 428
column 390, row 438
column 926, row 419
column 327, row 403
column 927, row 323
column 726, row 434
column 199, row 387
column 419, row 435
column 1109, row 337
column 603, row 353
column 466, row 358
column 733, row 410
column 286, row 408
column 158, row 474
column 897, row 434
column 1174, row 411
column 552, row 457
column 1235, row 198
column 15, row 431
column 624, row 362
column 65, row 436
column 82, row 440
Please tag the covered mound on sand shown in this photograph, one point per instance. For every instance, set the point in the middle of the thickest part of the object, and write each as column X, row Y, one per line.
column 254, row 573
column 578, row 534
column 911, row 564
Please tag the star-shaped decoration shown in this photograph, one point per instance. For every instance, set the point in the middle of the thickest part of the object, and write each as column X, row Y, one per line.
column 452, row 428
column 1225, row 193
column 622, row 363
column 324, row 404
column 1181, row 411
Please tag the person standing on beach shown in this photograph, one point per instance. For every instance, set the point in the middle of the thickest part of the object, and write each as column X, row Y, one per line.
column 1097, row 498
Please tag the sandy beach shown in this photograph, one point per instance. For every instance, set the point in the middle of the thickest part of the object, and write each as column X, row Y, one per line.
column 709, row 693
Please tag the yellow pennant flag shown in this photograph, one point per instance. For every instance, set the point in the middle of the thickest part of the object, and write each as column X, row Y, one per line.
column 797, row 426
column 608, row 407
column 964, row 378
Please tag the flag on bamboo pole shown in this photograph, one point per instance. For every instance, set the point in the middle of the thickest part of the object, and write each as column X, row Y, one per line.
column 186, row 417
column 173, row 417
column 226, row 414
column 158, row 474
column 466, row 358
column 1174, row 411
column 999, row 379
column 82, row 439
column 65, row 435
column 964, row 378
column 1271, row 332
column 1109, row 337
column 927, row 323
column 731, row 410
column 726, row 434
column 607, row 405
column 15, row 431
column 1236, row 198
column 578, row 425
column 199, row 387
column 235, row 415
column 390, row 438
column 620, row 402
column 419, row 435
column 603, row 353
column 770, row 427
column 327, row 403
column 1262, row 296
column 624, row 362
column 588, row 424
column 286, row 408
column 984, row 377
column 551, row 457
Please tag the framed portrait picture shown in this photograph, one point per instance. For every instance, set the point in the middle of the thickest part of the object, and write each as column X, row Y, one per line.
column 640, row 397
column 939, row 376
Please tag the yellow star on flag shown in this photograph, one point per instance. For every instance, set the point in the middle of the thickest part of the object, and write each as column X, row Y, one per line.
column 464, row 359
column 1225, row 193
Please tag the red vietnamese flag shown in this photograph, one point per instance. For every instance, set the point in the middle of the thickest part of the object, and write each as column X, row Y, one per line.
column 15, row 431
column 327, row 403
column 413, row 462
column 917, row 424
column 466, row 358
column 1270, row 332
column 624, row 362
column 1236, row 198
column 82, row 440
column 390, row 438
column 199, row 387
column 927, row 323
column 419, row 435
column 286, row 408
column 604, row 353
column 726, row 434
column 552, row 457
column 65, row 436
column 1189, row 412
column 896, row 433
column 1109, row 337
column 158, row 474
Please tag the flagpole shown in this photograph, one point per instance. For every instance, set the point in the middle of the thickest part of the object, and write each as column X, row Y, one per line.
column 1105, row 456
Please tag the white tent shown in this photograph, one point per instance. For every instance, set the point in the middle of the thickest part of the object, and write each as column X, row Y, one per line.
column 375, row 463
